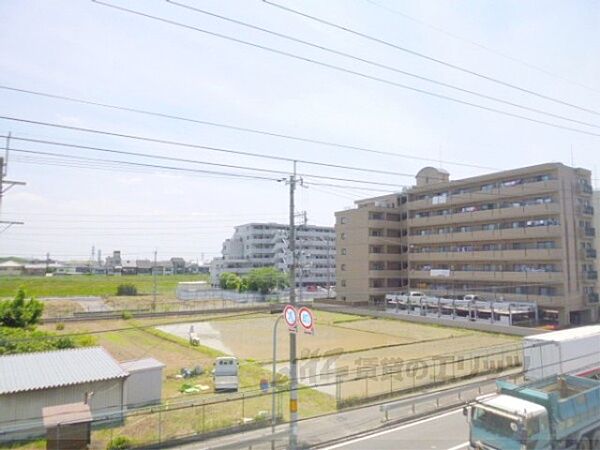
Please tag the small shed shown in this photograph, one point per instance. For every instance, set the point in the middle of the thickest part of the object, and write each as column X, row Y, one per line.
column 31, row 381
column 68, row 426
column 143, row 386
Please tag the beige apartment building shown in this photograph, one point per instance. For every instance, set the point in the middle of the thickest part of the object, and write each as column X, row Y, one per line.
column 519, row 235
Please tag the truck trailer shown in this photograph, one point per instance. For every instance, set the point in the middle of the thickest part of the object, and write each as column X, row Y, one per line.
column 558, row 412
column 574, row 351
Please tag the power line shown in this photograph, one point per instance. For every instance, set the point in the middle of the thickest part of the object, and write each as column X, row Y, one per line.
column 218, row 149
column 86, row 158
column 342, row 69
column 238, row 128
column 384, row 66
column 479, row 45
column 431, row 58
column 138, row 164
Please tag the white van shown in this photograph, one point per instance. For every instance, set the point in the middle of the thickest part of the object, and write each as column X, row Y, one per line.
column 225, row 374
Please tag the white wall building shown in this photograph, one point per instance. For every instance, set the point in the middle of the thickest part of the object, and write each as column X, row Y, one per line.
column 257, row 245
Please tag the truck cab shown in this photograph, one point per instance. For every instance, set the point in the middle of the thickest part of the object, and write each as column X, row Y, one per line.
column 556, row 413
column 508, row 423
column 225, row 374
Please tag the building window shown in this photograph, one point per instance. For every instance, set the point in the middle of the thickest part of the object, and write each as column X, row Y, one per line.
column 342, row 236
column 343, row 251
column 343, row 220
column 343, row 267
column 343, row 283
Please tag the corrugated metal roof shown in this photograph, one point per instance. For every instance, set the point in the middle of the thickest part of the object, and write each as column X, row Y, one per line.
column 142, row 364
column 33, row 371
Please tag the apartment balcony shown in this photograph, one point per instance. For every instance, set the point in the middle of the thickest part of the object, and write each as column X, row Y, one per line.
column 385, row 240
column 587, row 232
column 493, row 255
column 384, row 273
column 540, row 187
column 590, row 275
column 486, row 215
column 387, row 256
column 585, row 189
column 509, row 277
column 590, row 253
column 593, row 297
column 587, row 210
column 489, row 235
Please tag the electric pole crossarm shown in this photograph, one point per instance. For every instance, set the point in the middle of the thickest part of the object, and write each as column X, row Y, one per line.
column 11, row 184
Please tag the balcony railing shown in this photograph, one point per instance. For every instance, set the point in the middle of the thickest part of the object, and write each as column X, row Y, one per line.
column 590, row 252
column 589, row 210
column 593, row 297
column 590, row 275
column 589, row 232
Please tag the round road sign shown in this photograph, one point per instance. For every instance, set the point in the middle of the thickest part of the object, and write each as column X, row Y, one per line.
column 306, row 318
column 290, row 315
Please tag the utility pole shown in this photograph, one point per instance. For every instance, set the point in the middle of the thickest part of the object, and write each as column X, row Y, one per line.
column 9, row 184
column 293, row 441
column 47, row 261
column 154, row 283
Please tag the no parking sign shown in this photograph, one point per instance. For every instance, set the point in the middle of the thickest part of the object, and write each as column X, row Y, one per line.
column 306, row 319
column 290, row 315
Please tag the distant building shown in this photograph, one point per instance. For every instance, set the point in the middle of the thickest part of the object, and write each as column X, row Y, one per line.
column 129, row 267
column 522, row 235
column 257, row 245
column 144, row 266
column 11, row 268
column 164, row 268
column 596, row 203
column 178, row 265
column 114, row 261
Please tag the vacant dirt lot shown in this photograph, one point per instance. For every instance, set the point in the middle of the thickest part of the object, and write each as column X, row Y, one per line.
column 354, row 347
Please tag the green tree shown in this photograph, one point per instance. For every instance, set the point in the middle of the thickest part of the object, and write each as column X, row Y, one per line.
column 243, row 285
column 266, row 279
column 230, row 281
column 19, row 312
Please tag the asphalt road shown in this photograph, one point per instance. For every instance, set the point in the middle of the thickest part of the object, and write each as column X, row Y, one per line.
column 447, row 431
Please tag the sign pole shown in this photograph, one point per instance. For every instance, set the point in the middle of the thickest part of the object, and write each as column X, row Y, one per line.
column 274, row 378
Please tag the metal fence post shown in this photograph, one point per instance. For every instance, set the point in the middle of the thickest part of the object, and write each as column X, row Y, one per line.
column 243, row 407
column 159, row 426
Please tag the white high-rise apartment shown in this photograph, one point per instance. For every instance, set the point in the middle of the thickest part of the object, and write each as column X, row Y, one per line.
column 255, row 245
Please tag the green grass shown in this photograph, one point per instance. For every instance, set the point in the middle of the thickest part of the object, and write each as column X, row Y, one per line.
column 97, row 285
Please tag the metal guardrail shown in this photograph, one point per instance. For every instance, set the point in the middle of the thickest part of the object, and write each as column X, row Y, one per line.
column 249, row 443
column 456, row 395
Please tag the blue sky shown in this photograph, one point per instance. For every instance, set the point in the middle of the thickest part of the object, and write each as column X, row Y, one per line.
column 85, row 50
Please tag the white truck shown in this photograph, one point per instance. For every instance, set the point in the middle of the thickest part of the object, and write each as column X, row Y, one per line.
column 558, row 407
column 226, row 374
column 402, row 298
column 574, row 351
